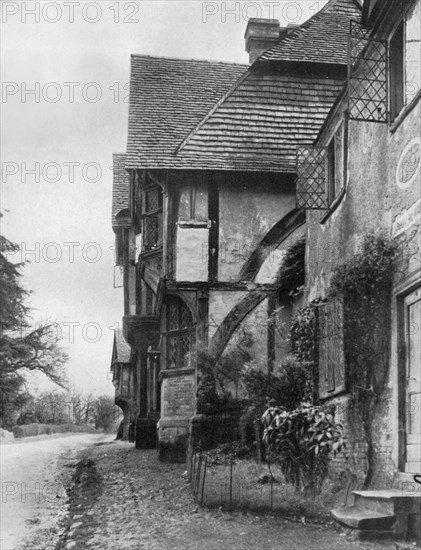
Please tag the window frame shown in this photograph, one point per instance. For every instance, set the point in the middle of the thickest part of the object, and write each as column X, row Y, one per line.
column 335, row 180
column 397, row 77
column 398, row 74
column 178, row 333
column 152, row 214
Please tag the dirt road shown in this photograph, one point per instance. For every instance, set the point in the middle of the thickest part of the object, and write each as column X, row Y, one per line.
column 33, row 496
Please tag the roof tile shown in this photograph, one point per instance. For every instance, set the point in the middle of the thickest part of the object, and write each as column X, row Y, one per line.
column 321, row 39
column 121, row 181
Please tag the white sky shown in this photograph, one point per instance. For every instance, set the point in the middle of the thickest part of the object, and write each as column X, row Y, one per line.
column 43, row 134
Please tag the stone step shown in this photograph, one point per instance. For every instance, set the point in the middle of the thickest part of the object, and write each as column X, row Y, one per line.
column 376, row 535
column 364, row 519
column 388, row 501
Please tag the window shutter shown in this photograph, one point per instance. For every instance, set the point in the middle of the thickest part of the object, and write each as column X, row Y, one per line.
column 331, row 349
column 367, row 76
column 311, row 191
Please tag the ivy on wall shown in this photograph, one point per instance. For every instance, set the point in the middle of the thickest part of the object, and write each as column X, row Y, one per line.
column 364, row 283
column 291, row 274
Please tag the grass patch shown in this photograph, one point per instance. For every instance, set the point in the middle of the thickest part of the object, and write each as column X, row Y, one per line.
column 250, row 487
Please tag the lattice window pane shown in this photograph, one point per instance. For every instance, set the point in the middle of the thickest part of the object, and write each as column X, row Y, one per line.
column 186, row 320
column 152, row 200
column 367, row 76
column 311, row 178
column 172, row 342
column 173, row 321
column 185, row 348
column 151, row 231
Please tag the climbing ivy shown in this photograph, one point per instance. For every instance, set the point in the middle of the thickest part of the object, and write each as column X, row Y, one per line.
column 364, row 283
column 291, row 273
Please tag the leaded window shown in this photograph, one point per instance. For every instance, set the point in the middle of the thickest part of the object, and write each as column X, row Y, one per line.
column 367, row 75
column 180, row 334
column 152, row 218
column 321, row 171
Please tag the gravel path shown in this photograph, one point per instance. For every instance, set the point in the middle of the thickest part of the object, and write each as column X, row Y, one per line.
column 127, row 499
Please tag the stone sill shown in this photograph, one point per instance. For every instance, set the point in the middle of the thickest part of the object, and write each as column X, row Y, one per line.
column 394, row 125
column 171, row 373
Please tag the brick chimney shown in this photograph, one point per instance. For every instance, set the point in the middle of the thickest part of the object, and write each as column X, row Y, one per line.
column 262, row 34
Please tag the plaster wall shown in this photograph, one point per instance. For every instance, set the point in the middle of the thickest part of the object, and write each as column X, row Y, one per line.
column 220, row 304
column 246, row 214
column 192, row 260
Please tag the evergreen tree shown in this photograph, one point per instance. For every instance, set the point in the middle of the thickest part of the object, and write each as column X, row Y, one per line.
column 21, row 348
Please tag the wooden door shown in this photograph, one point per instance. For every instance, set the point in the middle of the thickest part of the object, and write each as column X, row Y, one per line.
column 412, row 305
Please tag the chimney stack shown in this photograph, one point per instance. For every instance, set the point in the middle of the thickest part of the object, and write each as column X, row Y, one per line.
column 262, row 34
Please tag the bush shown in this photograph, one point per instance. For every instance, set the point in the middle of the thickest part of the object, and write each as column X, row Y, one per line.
column 29, row 430
column 229, row 452
column 301, row 441
column 287, row 385
column 212, row 397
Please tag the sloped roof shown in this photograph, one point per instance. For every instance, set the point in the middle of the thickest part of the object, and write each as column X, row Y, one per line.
column 168, row 98
column 188, row 114
column 121, row 347
column 321, row 39
column 121, row 182
column 261, row 122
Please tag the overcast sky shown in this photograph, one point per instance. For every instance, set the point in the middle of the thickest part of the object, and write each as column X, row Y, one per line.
column 65, row 74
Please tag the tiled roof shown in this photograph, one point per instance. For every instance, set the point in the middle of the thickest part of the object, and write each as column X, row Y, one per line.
column 121, row 181
column 187, row 114
column 321, row 39
column 261, row 122
column 168, row 98
column 122, row 347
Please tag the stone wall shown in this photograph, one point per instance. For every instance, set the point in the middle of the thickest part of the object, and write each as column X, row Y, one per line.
column 381, row 195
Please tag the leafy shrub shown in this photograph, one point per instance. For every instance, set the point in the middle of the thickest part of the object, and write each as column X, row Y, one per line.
column 229, row 452
column 303, row 331
column 288, row 384
column 301, row 441
column 212, row 397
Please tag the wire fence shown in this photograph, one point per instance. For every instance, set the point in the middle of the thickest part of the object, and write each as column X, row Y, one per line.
column 253, row 486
